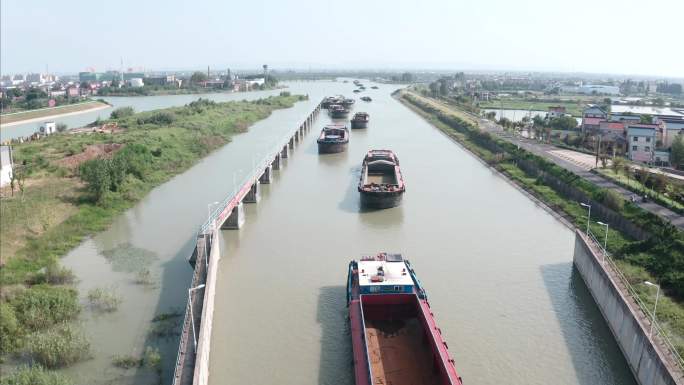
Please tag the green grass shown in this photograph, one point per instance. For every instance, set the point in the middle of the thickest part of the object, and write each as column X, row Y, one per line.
column 634, row 185
column 55, row 212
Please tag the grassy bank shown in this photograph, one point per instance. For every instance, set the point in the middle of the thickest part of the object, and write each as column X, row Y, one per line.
column 659, row 258
column 632, row 184
column 45, row 112
column 68, row 196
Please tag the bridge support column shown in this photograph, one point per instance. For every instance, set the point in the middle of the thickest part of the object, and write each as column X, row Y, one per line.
column 236, row 218
column 284, row 151
column 276, row 162
column 291, row 143
column 265, row 178
column 253, row 194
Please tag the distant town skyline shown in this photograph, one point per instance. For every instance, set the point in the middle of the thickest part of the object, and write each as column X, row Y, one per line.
column 533, row 35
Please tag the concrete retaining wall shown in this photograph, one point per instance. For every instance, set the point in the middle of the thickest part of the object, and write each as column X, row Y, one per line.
column 201, row 375
column 647, row 363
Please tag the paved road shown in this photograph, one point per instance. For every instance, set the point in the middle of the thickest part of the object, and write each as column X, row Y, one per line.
column 550, row 153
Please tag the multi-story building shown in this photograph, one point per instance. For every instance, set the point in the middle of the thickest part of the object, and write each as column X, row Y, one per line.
column 641, row 142
column 555, row 112
column 592, row 116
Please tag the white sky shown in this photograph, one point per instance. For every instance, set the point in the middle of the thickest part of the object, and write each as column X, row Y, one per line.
column 606, row 36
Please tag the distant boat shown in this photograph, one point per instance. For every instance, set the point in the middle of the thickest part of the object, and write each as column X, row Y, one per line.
column 338, row 111
column 356, row 91
column 375, row 87
column 360, row 120
column 330, row 100
column 348, row 102
column 334, row 138
column 366, row 98
column 381, row 184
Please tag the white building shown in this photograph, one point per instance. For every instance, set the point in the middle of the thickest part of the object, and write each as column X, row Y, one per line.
column 48, row 128
column 6, row 165
column 136, row 82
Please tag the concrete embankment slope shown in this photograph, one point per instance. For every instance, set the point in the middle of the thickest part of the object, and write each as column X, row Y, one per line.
column 39, row 115
column 649, row 362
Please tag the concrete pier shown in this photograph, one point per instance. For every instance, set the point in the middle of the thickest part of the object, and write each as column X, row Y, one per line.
column 253, row 195
column 265, row 178
column 236, row 218
column 192, row 362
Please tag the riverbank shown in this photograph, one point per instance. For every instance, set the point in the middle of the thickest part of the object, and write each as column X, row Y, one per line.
column 654, row 258
column 153, row 147
column 13, row 119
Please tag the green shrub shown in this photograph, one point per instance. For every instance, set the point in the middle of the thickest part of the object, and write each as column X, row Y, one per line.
column 122, row 112
column 153, row 359
column 127, row 362
column 42, row 306
column 9, row 329
column 104, row 300
column 59, row 346
column 613, row 200
column 34, row 375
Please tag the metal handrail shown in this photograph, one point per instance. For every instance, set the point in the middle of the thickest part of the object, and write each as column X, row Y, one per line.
column 250, row 177
column 659, row 331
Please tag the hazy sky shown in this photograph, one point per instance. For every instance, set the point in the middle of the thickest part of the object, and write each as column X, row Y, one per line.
column 608, row 36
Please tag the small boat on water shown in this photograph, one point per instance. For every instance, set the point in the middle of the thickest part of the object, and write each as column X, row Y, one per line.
column 395, row 339
column 360, row 120
column 330, row 100
column 375, row 87
column 338, row 111
column 334, row 138
column 356, row 91
column 347, row 102
column 366, row 98
column 381, row 184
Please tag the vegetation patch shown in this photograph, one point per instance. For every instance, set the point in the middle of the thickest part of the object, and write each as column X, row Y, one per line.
column 128, row 258
column 104, row 300
column 34, row 375
column 58, row 346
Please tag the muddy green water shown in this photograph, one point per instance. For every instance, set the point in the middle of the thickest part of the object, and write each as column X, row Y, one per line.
column 497, row 268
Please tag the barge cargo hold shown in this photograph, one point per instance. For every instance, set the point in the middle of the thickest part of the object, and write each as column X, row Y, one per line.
column 330, row 100
column 360, row 120
column 381, row 184
column 333, row 139
column 338, row 111
column 395, row 339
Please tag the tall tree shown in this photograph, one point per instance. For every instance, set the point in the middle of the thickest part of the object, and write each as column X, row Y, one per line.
column 677, row 152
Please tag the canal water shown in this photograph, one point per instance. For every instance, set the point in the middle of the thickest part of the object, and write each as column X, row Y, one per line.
column 518, row 115
column 497, row 267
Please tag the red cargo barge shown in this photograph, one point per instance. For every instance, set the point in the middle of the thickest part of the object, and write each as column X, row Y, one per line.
column 395, row 338
column 334, row 138
column 360, row 120
column 381, row 184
